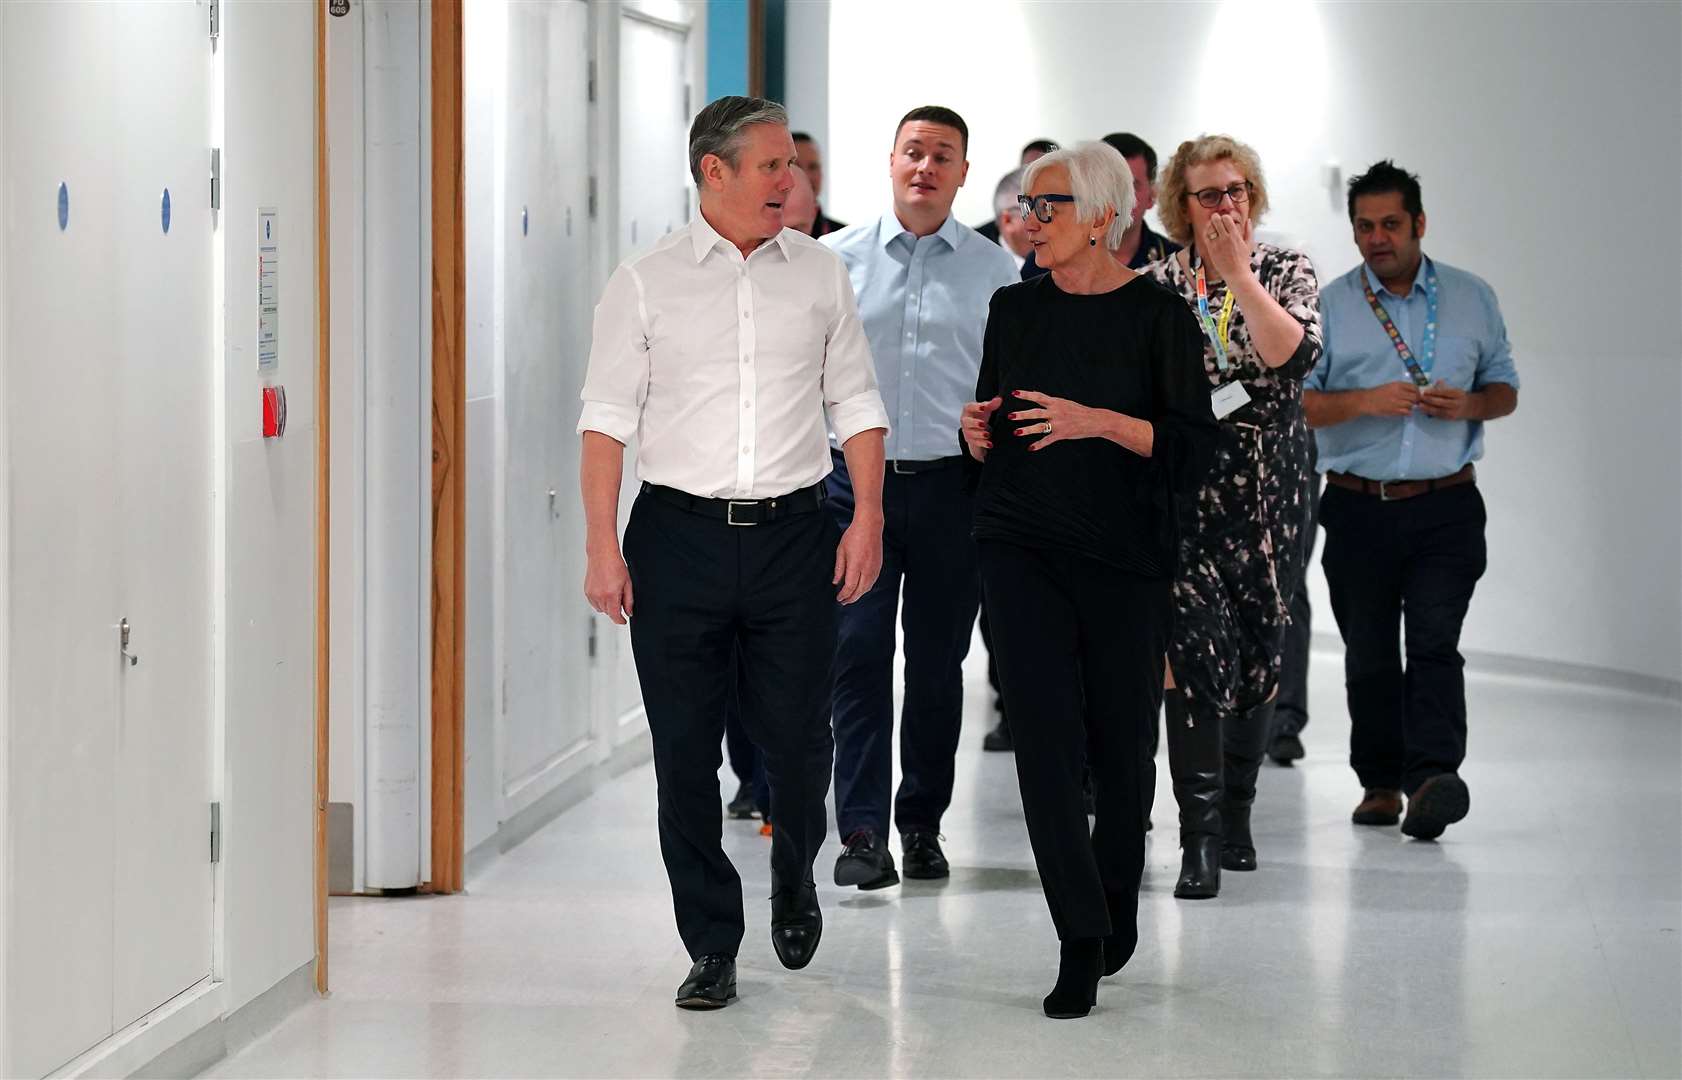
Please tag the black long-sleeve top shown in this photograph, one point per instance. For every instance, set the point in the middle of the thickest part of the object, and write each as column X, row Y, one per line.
column 1135, row 350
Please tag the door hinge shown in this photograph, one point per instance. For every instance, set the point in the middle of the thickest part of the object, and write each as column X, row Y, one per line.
column 215, row 19
column 216, row 178
column 592, row 637
column 592, row 196
column 215, row 832
column 590, row 91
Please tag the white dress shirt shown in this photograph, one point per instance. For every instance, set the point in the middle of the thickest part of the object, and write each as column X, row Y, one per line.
column 726, row 369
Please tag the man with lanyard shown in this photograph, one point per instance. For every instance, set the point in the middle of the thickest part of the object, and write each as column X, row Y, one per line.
column 1416, row 360
column 725, row 351
column 924, row 282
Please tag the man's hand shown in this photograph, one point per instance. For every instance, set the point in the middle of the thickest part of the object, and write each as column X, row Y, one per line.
column 1392, row 399
column 1445, row 402
column 973, row 425
column 858, row 559
column 607, row 584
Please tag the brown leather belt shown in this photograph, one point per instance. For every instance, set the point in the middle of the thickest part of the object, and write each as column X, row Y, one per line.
column 1392, row 490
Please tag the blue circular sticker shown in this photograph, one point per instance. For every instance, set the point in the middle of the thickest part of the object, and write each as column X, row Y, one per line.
column 63, row 206
column 166, row 211
column 525, row 221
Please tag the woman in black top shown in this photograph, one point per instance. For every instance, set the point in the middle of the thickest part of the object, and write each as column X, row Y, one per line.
column 1092, row 422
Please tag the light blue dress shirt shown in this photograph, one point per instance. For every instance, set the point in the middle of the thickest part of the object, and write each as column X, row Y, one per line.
column 923, row 301
column 1472, row 352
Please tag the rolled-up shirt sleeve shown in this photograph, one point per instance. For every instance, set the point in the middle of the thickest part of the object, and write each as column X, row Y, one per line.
column 1495, row 352
column 616, row 382
column 851, row 401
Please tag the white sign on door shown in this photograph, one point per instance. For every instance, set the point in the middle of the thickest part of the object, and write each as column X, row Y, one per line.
column 268, row 288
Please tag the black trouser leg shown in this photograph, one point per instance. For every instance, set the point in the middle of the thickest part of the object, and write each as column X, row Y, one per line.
column 683, row 571
column 1446, row 557
column 1079, row 648
column 942, row 591
column 744, row 756
column 1363, row 562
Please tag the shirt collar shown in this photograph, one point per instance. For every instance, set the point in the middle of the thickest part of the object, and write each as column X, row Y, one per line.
column 704, row 238
column 1418, row 278
column 891, row 230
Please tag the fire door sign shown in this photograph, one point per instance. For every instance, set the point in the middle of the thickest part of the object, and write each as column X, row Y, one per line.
column 268, row 288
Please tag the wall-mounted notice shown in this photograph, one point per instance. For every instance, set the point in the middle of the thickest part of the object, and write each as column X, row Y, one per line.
column 268, row 288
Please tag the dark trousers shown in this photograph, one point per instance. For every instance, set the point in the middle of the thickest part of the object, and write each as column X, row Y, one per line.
column 1291, row 712
column 745, row 759
column 1080, row 648
column 1403, row 572
column 926, row 544
column 705, row 590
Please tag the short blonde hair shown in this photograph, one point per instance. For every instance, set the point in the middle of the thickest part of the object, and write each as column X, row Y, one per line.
column 1098, row 177
column 1171, row 201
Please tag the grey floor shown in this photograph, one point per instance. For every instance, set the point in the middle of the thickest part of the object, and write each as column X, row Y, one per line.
column 1538, row 938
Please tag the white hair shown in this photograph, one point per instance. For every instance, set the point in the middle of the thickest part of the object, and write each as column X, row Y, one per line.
column 1099, row 177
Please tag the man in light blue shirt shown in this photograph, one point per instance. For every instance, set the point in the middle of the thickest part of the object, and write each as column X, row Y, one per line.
column 1416, row 360
column 923, row 282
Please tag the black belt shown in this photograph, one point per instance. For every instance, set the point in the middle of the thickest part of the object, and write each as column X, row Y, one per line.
column 807, row 500
column 912, row 468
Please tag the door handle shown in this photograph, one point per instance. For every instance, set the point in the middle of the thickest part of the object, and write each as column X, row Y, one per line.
column 132, row 659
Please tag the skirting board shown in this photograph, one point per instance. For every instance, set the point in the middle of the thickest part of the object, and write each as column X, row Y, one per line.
column 224, row 1035
column 1492, row 663
column 569, row 793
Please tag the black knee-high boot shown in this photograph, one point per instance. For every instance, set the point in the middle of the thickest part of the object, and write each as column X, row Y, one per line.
column 1245, row 744
column 1194, row 762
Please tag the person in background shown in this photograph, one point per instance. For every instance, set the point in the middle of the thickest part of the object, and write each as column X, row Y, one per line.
column 923, row 283
column 992, row 229
column 1092, row 424
column 1417, row 360
column 1141, row 245
column 811, row 163
column 728, row 553
column 1240, row 548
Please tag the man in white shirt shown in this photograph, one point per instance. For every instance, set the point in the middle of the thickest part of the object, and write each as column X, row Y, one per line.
column 724, row 351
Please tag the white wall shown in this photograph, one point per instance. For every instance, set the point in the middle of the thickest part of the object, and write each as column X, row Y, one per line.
column 266, row 894
column 1537, row 129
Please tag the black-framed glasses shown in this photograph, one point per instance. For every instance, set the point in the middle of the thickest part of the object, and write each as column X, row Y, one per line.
column 1041, row 205
column 1211, row 197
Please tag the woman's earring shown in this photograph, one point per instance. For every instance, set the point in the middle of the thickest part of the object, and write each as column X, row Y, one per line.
column 1092, row 241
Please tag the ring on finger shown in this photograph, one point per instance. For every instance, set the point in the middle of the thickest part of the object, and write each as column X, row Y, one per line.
column 1046, row 427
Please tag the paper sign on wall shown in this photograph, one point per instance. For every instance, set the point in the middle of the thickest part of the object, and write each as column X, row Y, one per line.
column 268, row 288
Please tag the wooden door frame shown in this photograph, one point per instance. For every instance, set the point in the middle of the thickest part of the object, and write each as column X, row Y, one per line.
column 449, row 446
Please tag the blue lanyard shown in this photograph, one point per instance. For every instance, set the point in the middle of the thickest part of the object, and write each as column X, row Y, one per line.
column 1427, row 344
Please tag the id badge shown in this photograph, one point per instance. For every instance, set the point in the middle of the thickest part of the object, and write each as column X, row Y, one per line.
column 1228, row 399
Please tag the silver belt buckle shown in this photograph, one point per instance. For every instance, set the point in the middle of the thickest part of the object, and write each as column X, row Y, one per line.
column 1384, row 491
column 730, row 512
column 902, row 472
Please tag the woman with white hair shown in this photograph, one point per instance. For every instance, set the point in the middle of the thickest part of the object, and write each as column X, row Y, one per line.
column 1241, row 553
column 1092, row 422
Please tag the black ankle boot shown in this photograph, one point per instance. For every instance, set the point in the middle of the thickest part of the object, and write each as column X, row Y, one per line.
column 1123, row 939
column 1194, row 762
column 1079, row 967
column 1245, row 746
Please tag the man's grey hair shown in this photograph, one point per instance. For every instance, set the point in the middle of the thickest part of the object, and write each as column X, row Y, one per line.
column 718, row 128
column 1010, row 186
column 1098, row 177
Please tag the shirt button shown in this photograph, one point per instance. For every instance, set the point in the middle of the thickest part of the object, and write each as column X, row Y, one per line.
column 744, row 451
column 747, row 404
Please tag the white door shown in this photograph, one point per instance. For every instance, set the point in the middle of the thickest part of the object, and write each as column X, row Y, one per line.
column 162, row 353
column 108, row 358
column 546, row 334
column 653, row 132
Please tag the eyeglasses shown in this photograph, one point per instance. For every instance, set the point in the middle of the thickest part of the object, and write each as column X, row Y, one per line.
column 1040, row 205
column 1211, row 197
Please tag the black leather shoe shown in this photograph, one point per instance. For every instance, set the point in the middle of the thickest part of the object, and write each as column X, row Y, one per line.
column 1200, row 868
column 1079, row 967
column 999, row 739
column 1285, row 749
column 923, row 858
column 796, row 924
column 866, row 862
column 1438, row 803
column 742, row 806
column 711, row 983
